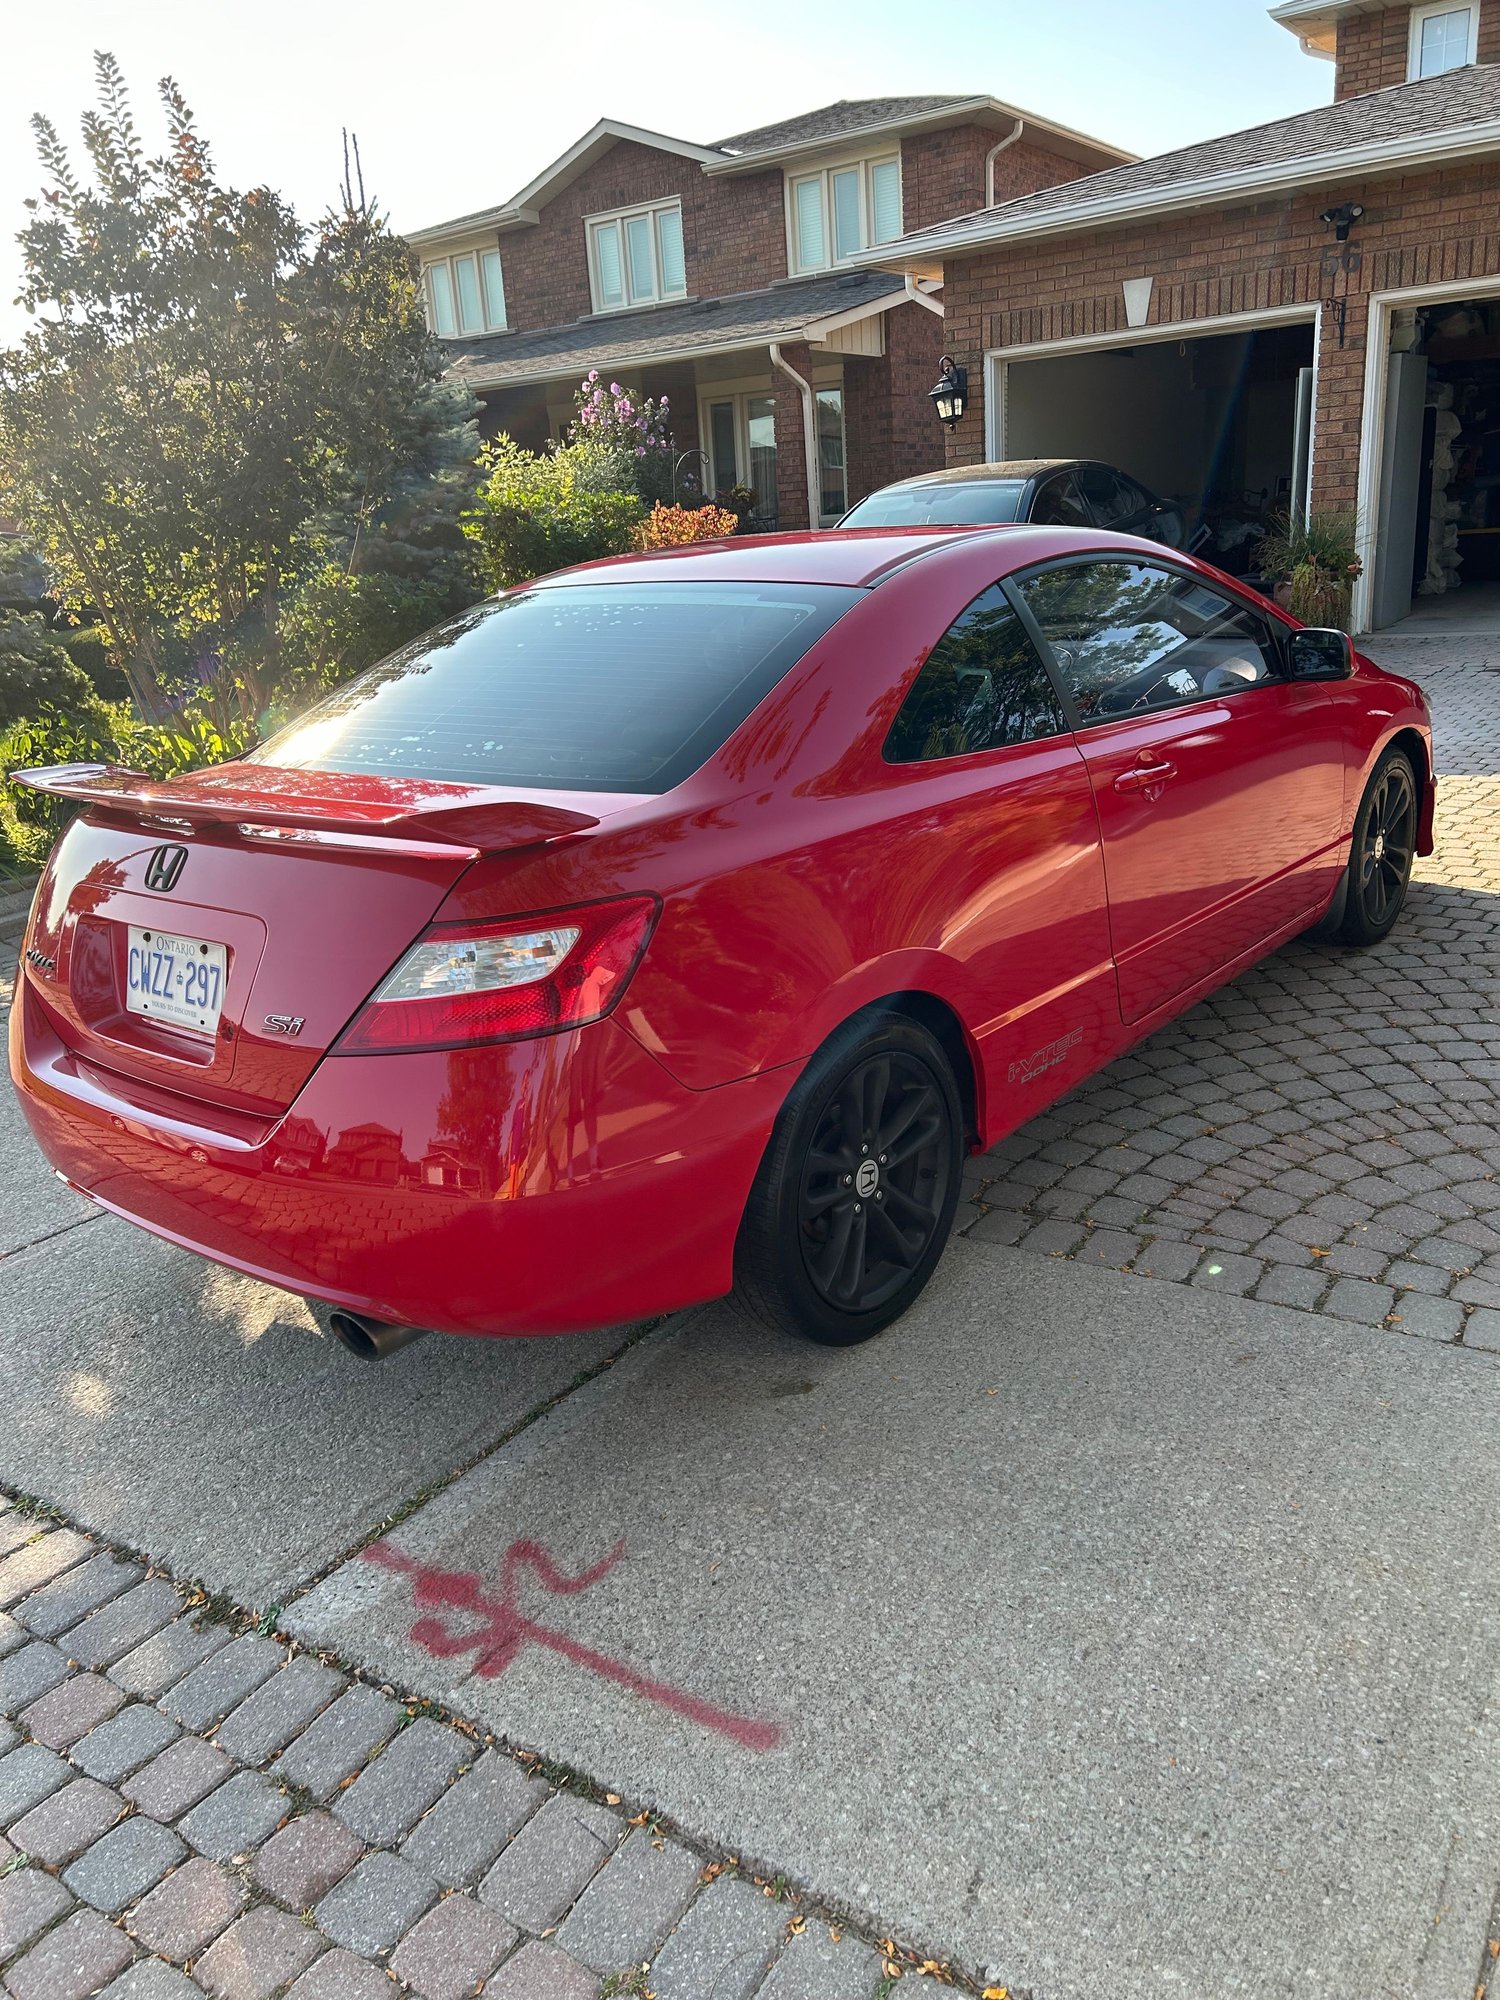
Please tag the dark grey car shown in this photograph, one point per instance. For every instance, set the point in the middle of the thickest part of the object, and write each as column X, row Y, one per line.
column 1066, row 492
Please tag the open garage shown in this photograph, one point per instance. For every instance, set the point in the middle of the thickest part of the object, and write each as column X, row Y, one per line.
column 1219, row 423
column 1431, row 460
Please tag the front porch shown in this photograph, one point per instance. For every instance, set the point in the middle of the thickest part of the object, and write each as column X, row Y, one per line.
column 806, row 396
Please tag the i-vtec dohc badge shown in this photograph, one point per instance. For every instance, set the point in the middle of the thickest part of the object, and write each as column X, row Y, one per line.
column 40, row 960
column 285, row 1024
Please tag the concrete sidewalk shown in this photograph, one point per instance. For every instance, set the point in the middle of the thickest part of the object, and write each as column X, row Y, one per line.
column 1123, row 1637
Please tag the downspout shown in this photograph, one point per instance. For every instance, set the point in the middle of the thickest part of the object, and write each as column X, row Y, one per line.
column 809, row 435
column 921, row 298
column 993, row 154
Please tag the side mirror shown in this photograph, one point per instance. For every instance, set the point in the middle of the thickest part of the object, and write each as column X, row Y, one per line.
column 1319, row 653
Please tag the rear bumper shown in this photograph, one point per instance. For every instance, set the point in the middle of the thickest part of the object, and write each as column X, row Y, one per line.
column 530, row 1187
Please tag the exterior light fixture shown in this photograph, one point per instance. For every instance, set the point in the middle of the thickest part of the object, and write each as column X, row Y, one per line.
column 951, row 396
column 1342, row 219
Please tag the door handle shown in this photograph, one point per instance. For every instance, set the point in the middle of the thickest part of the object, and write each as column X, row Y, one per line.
column 1143, row 776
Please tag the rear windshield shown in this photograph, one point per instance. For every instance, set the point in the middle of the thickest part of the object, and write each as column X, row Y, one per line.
column 953, row 504
column 583, row 687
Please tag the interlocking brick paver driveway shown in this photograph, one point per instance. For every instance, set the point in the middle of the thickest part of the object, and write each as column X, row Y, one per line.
column 1324, row 1132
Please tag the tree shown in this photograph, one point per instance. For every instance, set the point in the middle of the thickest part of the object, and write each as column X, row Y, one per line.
column 203, row 377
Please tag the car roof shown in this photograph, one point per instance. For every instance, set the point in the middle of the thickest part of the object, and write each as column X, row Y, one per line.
column 858, row 557
column 851, row 556
column 996, row 469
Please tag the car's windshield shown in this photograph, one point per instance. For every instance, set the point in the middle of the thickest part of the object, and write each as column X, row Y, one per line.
column 953, row 503
column 612, row 687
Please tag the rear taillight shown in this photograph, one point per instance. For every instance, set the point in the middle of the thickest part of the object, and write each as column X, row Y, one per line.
column 497, row 981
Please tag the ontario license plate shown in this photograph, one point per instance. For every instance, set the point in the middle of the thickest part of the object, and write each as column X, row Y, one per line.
column 175, row 979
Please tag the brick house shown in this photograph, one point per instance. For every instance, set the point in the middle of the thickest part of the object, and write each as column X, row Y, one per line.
column 736, row 279
column 1307, row 312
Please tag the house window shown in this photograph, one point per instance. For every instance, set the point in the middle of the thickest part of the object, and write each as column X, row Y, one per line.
column 833, row 481
column 465, row 294
column 1442, row 38
column 840, row 212
column 635, row 257
column 741, row 434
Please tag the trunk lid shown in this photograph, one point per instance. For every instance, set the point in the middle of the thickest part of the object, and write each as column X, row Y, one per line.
column 312, row 883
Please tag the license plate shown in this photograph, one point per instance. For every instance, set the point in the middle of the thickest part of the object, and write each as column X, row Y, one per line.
column 175, row 979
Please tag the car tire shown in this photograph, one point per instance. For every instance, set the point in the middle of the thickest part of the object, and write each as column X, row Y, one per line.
column 1381, row 853
column 841, row 1231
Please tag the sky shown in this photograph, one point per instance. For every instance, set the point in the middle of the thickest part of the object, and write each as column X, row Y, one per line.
column 459, row 104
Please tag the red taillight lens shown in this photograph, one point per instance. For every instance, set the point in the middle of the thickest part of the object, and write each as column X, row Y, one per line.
column 500, row 980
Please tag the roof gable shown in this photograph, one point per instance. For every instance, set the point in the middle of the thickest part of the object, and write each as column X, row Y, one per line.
column 526, row 206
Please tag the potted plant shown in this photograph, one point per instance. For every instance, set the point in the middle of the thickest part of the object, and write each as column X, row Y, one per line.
column 1312, row 564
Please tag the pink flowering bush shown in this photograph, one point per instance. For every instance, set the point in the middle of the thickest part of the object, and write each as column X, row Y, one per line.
column 633, row 430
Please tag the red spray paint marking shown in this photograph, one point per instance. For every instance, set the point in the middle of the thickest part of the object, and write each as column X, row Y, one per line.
column 506, row 1628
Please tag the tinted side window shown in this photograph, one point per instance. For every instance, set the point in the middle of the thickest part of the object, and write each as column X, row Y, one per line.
column 1128, row 636
column 1057, row 504
column 981, row 687
column 1105, row 494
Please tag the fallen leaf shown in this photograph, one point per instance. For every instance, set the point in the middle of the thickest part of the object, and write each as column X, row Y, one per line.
column 996, row 1993
column 611, row 1798
column 795, row 1926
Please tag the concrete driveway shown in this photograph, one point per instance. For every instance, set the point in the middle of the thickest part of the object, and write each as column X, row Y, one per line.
column 1124, row 1621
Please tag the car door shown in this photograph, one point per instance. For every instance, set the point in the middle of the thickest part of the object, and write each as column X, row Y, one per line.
column 1218, row 782
column 994, row 838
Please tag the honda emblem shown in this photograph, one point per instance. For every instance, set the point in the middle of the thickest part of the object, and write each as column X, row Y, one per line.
column 164, row 867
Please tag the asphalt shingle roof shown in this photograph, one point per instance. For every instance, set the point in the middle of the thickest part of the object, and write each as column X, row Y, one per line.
column 1405, row 111
column 833, row 121
column 779, row 312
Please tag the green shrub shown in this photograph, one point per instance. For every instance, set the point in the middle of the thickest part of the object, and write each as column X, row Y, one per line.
column 336, row 624
column 97, row 732
column 85, row 647
column 535, row 513
column 35, row 673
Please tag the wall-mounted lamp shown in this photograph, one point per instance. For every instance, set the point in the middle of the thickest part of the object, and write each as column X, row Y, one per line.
column 1342, row 219
column 950, row 397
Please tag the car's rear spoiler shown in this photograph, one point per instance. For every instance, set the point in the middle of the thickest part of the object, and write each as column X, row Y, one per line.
column 271, row 803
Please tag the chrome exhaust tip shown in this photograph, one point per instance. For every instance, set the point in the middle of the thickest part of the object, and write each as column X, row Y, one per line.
column 371, row 1339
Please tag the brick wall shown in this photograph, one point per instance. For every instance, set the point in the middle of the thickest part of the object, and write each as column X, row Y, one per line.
column 733, row 232
column 733, row 226
column 1371, row 51
column 1438, row 227
column 1373, row 48
column 889, row 429
column 942, row 173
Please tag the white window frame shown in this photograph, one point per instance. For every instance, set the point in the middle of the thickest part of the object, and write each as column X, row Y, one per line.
column 616, row 219
column 474, row 253
column 866, row 164
column 1419, row 15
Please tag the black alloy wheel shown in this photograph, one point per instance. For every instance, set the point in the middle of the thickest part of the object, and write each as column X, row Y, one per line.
column 856, row 1195
column 1382, row 851
column 873, row 1181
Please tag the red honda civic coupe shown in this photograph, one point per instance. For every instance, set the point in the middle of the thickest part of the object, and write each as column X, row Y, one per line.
column 672, row 926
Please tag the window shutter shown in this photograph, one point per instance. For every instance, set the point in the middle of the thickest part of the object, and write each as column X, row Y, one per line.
column 885, row 201
column 607, row 266
column 808, row 198
column 669, row 238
